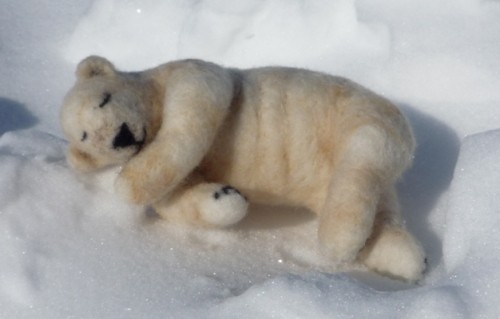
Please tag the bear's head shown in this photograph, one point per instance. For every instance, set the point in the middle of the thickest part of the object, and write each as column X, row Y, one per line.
column 103, row 116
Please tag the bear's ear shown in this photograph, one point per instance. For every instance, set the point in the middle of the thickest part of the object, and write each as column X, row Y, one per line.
column 94, row 66
column 81, row 161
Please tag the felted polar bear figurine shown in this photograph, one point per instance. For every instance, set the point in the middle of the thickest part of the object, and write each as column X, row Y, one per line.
column 185, row 130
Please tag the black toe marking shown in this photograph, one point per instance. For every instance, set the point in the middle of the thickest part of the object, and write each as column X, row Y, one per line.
column 227, row 190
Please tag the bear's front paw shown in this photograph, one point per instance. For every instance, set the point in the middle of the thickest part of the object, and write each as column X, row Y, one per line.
column 225, row 207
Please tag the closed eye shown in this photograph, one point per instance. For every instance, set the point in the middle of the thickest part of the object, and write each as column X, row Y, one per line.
column 106, row 99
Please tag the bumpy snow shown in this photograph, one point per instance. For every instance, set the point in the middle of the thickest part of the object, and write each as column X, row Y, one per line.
column 71, row 249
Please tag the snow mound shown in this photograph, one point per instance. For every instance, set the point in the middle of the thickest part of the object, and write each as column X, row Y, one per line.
column 471, row 249
column 68, row 238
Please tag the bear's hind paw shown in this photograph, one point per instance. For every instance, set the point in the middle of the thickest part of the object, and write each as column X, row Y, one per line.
column 395, row 253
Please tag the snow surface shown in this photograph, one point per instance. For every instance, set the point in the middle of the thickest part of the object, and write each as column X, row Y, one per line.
column 71, row 249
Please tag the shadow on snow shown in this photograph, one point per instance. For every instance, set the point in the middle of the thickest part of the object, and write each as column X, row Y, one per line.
column 14, row 116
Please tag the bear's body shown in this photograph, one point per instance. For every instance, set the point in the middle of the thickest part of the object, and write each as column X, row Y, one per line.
column 283, row 138
column 185, row 129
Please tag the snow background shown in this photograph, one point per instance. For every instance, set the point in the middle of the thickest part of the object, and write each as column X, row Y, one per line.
column 70, row 249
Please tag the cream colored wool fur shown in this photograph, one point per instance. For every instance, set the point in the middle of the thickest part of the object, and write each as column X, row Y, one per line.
column 186, row 129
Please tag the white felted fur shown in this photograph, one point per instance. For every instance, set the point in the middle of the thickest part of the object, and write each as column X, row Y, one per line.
column 185, row 129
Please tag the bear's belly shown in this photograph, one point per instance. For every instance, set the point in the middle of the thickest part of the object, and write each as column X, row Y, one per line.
column 275, row 154
column 269, row 181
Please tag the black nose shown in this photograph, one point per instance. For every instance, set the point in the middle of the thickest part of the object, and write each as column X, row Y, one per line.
column 124, row 137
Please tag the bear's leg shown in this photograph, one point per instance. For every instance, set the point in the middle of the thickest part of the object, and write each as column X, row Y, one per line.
column 371, row 160
column 347, row 219
column 203, row 204
column 391, row 250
